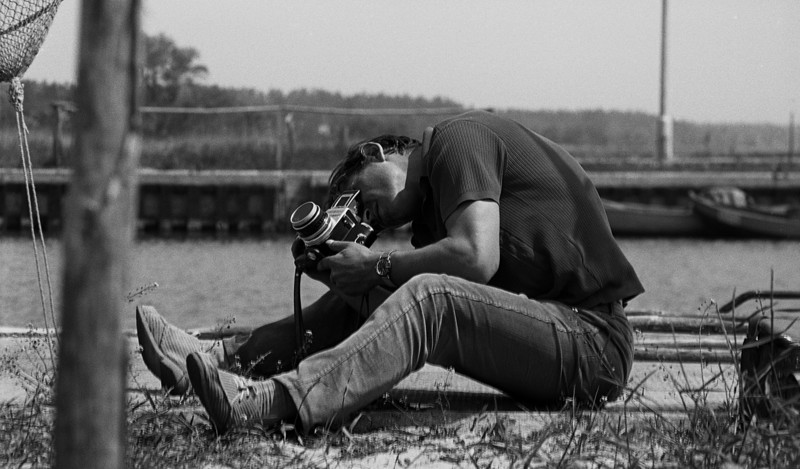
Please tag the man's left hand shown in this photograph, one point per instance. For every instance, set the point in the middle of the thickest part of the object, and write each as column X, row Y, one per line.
column 352, row 268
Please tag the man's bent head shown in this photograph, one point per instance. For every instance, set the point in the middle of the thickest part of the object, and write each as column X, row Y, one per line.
column 362, row 153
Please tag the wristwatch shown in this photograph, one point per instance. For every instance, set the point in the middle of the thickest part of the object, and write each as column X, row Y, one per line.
column 384, row 265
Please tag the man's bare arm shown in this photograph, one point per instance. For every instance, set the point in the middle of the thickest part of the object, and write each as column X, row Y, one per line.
column 470, row 250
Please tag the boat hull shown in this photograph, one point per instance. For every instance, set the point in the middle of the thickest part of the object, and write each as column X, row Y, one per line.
column 744, row 222
column 632, row 219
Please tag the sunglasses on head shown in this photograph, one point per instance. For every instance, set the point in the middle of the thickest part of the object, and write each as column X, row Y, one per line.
column 371, row 150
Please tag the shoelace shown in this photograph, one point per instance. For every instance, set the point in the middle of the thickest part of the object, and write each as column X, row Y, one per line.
column 248, row 389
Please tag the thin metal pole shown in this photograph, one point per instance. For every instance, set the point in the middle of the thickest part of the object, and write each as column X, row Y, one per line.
column 664, row 138
column 791, row 137
column 662, row 109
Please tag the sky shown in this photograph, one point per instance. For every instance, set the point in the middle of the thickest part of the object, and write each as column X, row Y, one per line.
column 727, row 60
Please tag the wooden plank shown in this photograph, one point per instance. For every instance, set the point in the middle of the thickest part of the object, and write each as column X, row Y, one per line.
column 662, row 179
column 284, row 108
column 686, row 324
column 694, row 180
column 687, row 340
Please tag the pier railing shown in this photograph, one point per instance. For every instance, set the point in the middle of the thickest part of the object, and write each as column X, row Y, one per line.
column 291, row 136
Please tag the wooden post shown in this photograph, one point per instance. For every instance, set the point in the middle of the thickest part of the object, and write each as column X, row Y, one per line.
column 98, row 233
column 290, row 137
column 60, row 111
column 279, row 140
column 58, row 137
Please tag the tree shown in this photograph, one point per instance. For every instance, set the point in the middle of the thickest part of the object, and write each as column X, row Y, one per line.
column 169, row 70
column 169, row 74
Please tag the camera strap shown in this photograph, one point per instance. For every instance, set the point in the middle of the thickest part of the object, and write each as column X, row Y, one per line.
column 301, row 347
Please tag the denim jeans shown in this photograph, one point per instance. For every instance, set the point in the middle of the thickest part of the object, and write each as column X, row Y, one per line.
column 538, row 352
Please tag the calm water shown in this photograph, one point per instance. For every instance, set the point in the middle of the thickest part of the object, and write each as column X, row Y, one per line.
column 203, row 281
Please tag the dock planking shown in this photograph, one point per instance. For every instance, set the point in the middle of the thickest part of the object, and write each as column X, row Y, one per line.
column 227, row 201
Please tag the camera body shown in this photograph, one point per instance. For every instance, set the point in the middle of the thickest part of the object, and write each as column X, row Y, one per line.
column 341, row 222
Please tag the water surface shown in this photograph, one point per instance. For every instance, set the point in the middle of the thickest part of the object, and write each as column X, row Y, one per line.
column 203, row 281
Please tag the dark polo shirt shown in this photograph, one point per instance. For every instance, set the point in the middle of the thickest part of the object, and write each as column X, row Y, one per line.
column 555, row 241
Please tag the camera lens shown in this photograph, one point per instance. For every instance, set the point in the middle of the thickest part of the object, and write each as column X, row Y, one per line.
column 311, row 223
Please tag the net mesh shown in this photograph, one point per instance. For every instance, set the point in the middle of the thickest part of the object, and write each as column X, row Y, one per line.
column 23, row 27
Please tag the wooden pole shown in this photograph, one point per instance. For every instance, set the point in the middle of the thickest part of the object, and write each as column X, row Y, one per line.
column 279, row 140
column 290, row 138
column 58, row 134
column 61, row 110
column 98, row 232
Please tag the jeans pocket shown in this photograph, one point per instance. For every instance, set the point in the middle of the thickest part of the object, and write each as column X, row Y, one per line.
column 602, row 367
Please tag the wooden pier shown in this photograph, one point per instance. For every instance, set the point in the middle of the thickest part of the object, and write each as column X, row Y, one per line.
column 260, row 201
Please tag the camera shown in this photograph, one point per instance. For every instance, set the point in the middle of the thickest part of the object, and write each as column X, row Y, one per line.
column 341, row 222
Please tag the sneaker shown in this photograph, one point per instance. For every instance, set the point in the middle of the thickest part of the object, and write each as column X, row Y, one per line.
column 165, row 348
column 232, row 400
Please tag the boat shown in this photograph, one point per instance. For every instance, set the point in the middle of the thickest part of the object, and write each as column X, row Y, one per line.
column 735, row 214
column 637, row 219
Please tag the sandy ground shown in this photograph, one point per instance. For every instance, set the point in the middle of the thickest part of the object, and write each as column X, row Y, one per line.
column 655, row 381
column 449, row 425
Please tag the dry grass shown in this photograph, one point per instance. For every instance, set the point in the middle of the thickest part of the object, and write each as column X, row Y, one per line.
column 169, row 432
column 39, row 142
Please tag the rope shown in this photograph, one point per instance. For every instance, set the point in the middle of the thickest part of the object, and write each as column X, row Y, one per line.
column 17, row 97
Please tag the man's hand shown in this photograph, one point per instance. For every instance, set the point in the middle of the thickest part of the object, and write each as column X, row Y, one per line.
column 352, row 268
column 299, row 254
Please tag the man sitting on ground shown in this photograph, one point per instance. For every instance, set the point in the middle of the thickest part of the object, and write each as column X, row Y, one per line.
column 515, row 281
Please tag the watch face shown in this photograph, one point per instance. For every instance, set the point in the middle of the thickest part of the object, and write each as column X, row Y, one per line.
column 383, row 266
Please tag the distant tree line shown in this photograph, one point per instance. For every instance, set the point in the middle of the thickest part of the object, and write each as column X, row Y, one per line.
column 172, row 77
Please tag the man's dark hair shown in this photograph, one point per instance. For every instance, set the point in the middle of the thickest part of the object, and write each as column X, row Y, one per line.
column 355, row 160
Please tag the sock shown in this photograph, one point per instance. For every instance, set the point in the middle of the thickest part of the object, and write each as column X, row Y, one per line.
column 282, row 406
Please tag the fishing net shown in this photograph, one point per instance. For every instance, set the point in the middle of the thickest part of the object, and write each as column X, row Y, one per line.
column 23, row 27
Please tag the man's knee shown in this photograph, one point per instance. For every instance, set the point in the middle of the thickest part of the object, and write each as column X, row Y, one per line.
column 426, row 294
column 428, row 283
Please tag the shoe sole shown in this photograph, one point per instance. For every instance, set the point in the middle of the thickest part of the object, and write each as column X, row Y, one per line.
column 198, row 374
column 170, row 373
